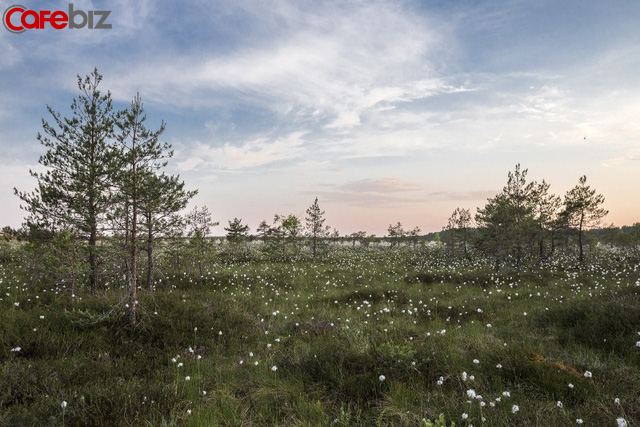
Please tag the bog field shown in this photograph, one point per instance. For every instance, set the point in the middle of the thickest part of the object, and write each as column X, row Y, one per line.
column 405, row 336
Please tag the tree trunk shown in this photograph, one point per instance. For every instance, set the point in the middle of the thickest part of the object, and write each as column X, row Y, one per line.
column 580, row 239
column 150, row 265
column 93, row 259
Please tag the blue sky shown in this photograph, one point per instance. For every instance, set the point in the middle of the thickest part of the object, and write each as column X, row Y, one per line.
column 385, row 110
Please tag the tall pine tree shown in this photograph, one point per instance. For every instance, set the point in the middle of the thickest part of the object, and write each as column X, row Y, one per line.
column 74, row 191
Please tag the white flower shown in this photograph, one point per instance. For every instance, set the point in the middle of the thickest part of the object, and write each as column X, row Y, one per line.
column 465, row 415
column 579, row 421
column 382, row 378
column 63, row 404
column 616, row 400
column 638, row 344
column 274, row 368
column 180, row 365
column 506, row 394
column 499, row 366
column 187, row 378
column 621, row 422
column 471, row 394
column 570, row 385
column 559, row 404
column 16, row 349
column 515, row 408
column 476, row 362
column 588, row 374
column 464, row 376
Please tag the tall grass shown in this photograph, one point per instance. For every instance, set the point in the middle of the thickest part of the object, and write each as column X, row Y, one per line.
column 366, row 338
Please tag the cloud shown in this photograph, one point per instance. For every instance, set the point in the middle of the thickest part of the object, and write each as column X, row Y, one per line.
column 251, row 154
column 335, row 61
column 629, row 157
column 381, row 185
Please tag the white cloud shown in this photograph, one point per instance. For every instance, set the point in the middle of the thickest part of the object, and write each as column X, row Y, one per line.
column 251, row 154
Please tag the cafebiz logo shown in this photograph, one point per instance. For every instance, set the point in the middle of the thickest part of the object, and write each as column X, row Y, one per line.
column 18, row 19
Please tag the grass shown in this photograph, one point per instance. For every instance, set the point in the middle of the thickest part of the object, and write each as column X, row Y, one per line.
column 375, row 337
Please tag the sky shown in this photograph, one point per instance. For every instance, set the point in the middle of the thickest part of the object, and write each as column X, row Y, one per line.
column 386, row 111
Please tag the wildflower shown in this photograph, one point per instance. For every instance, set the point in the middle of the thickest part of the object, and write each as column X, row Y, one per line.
column 506, row 394
column 588, row 374
column 559, row 404
column 638, row 344
column 42, row 317
column 621, row 422
column 465, row 415
column 476, row 362
column 255, row 363
column 499, row 366
column 187, row 378
column 16, row 349
column 570, row 385
column 471, row 394
column 382, row 378
column 616, row 400
column 464, row 376
column 63, row 404
column 515, row 408
column 180, row 365
column 579, row 421
column 274, row 368
column 188, row 411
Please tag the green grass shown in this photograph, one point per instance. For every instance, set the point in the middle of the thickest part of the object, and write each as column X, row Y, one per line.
column 269, row 343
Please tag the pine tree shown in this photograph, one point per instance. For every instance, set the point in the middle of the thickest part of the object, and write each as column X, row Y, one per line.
column 164, row 197
column 236, row 231
column 582, row 210
column 74, row 192
column 200, row 222
column 140, row 155
column 507, row 223
column 315, row 224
